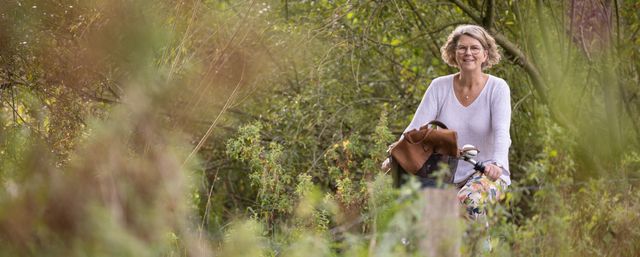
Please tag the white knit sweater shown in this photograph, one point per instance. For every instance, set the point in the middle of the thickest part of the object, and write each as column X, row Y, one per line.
column 484, row 123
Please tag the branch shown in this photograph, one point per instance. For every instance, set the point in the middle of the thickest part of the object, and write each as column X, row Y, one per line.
column 5, row 86
column 433, row 48
column 10, row 80
column 489, row 16
column 17, row 115
column 97, row 98
column 618, row 32
column 521, row 59
column 626, row 103
column 466, row 9
column 475, row 4
column 427, row 33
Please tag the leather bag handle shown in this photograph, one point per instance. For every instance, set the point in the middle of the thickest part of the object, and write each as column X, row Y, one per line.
column 433, row 122
column 437, row 123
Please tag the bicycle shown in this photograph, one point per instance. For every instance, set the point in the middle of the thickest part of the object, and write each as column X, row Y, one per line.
column 468, row 153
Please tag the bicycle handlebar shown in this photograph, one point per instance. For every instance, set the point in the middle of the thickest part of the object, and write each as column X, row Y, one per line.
column 467, row 153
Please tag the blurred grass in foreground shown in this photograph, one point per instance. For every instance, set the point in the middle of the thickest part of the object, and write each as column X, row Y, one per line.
column 103, row 101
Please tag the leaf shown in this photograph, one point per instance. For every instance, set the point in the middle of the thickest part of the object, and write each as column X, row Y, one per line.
column 350, row 15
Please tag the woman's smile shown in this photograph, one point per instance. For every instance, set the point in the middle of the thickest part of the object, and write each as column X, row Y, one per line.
column 469, row 53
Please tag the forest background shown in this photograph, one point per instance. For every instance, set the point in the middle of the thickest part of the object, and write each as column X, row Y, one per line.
column 256, row 128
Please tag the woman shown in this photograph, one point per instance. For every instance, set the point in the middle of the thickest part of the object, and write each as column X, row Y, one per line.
column 477, row 106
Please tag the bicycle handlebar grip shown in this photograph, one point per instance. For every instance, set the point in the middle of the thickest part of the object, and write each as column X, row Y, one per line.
column 479, row 167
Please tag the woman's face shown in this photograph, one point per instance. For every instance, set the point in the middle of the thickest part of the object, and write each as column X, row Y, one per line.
column 470, row 54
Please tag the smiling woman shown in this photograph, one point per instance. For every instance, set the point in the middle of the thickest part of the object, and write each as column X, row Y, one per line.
column 477, row 106
column 461, row 37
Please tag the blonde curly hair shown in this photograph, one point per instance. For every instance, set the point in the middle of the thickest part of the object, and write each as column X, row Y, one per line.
column 488, row 43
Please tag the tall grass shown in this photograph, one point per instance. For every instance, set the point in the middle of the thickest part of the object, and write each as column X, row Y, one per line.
column 221, row 128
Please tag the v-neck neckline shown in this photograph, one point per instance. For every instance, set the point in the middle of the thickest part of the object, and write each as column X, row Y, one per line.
column 453, row 91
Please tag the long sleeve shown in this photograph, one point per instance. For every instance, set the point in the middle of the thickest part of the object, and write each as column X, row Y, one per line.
column 500, row 124
column 427, row 110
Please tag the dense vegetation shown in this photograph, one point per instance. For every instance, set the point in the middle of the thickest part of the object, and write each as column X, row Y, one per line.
column 256, row 128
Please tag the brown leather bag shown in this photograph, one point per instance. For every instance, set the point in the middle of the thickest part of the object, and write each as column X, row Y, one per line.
column 420, row 150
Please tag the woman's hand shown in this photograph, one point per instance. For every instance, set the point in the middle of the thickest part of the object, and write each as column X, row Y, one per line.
column 492, row 171
column 386, row 165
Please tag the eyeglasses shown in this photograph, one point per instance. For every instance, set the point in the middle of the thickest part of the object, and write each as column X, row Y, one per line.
column 475, row 49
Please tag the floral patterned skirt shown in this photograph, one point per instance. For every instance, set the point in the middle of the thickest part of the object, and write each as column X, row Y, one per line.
column 478, row 191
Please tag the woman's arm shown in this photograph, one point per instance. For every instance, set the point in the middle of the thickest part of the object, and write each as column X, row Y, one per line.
column 428, row 108
column 427, row 111
column 500, row 123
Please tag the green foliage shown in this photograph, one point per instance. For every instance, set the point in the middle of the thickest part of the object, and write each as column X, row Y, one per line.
column 243, row 239
column 267, row 174
column 605, row 223
column 157, row 127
